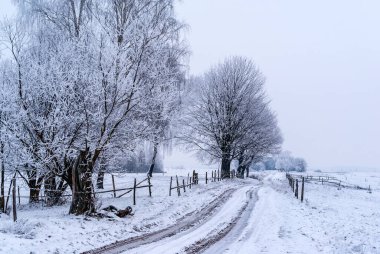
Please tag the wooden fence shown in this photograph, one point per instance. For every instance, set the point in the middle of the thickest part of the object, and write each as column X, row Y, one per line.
column 294, row 184
column 333, row 181
column 145, row 183
column 194, row 180
column 295, row 180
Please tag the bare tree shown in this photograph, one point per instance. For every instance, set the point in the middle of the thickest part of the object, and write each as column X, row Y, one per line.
column 228, row 115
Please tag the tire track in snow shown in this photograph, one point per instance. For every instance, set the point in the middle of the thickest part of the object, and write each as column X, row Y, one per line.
column 199, row 238
column 187, row 222
column 219, row 242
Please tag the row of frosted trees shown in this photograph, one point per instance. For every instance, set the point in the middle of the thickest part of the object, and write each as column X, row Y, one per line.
column 88, row 83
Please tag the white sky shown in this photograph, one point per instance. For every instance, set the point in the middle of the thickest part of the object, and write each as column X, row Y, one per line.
column 322, row 63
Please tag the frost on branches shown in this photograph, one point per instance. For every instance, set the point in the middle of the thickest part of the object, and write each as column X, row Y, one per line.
column 230, row 118
column 86, row 81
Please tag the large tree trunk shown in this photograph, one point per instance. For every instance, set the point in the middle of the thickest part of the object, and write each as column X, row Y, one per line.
column 240, row 169
column 34, row 191
column 83, row 201
column 102, row 170
column 150, row 172
column 53, row 190
column 100, row 179
column 225, row 167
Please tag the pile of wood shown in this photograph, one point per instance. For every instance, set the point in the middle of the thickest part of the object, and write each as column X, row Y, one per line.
column 121, row 213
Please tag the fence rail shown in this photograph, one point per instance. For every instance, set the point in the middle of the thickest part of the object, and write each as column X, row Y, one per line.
column 294, row 180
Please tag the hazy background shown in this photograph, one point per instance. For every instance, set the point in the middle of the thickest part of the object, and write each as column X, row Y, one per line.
column 322, row 63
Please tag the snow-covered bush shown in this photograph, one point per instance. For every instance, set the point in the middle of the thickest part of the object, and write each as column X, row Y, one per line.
column 22, row 228
column 283, row 161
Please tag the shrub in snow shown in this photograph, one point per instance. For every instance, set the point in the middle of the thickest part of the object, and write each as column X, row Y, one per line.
column 284, row 161
column 21, row 227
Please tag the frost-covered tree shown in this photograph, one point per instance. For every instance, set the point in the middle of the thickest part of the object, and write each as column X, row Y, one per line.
column 90, row 77
column 229, row 117
column 283, row 161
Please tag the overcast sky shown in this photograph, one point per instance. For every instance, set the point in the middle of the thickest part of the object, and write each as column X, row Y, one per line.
column 322, row 63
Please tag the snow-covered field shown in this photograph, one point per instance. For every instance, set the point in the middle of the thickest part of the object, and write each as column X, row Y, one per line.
column 330, row 221
column 269, row 220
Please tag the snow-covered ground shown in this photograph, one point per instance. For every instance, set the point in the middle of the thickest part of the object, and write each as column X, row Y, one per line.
column 330, row 221
column 260, row 217
column 53, row 230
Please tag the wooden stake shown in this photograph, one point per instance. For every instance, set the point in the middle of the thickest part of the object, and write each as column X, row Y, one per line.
column 190, row 183
column 303, row 188
column 206, row 177
column 18, row 192
column 150, row 187
column 134, row 193
column 113, row 186
column 14, row 200
column 170, row 188
column 184, row 189
column 296, row 193
column 178, row 190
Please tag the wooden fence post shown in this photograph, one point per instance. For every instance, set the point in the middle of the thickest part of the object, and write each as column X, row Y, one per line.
column 296, row 193
column 190, row 183
column 150, row 187
column 113, row 186
column 206, row 177
column 183, row 182
column 18, row 192
column 303, row 188
column 292, row 184
column 14, row 200
column 178, row 190
column 134, row 193
column 170, row 188
column 218, row 175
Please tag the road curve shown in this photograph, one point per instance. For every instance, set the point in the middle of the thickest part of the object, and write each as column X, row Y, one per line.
column 185, row 223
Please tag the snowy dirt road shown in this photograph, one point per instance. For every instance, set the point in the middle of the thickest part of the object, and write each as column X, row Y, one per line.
column 265, row 217
column 193, row 233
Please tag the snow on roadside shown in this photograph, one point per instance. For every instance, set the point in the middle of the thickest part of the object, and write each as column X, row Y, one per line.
column 330, row 221
column 53, row 230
